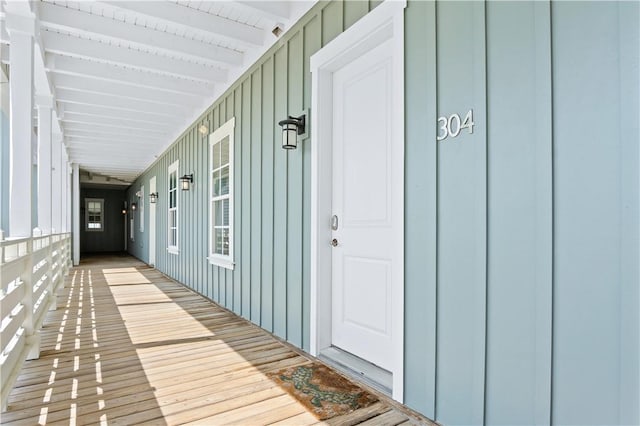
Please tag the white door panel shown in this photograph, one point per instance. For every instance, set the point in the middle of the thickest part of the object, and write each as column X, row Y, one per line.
column 364, row 177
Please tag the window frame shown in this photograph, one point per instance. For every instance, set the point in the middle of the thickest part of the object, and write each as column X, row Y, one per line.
column 86, row 215
column 224, row 131
column 173, row 168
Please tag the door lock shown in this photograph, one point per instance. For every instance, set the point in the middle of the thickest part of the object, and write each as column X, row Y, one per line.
column 334, row 242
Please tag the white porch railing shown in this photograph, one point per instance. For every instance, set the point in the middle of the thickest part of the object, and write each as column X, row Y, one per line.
column 31, row 272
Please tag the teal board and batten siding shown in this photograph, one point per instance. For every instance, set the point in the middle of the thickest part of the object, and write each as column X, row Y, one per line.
column 270, row 282
column 521, row 239
column 522, row 263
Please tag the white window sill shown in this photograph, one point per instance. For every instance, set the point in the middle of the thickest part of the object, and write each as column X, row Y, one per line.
column 173, row 250
column 222, row 262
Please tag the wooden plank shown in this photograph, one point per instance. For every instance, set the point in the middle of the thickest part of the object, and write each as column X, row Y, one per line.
column 210, row 368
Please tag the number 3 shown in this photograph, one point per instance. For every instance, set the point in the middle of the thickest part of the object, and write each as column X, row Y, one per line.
column 443, row 125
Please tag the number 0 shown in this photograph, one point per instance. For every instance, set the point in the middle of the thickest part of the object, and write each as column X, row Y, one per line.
column 455, row 132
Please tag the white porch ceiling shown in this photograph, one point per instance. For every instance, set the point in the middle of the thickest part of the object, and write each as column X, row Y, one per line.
column 128, row 77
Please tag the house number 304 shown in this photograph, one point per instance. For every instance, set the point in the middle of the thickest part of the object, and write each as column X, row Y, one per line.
column 453, row 125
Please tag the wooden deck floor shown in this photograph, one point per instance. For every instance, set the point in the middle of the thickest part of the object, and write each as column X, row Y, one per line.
column 129, row 346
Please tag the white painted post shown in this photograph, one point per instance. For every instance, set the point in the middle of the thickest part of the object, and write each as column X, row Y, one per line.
column 21, row 31
column 45, row 105
column 56, row 183
column 70, row 185
column 64, row 188
column 76, row 214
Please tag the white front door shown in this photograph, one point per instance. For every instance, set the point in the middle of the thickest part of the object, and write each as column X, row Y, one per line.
column 366, row 221
column 152, row 224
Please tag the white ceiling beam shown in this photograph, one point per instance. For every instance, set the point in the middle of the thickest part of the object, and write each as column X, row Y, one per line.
column 111, row 131
column 75, row 66
column 83, row 141
column 113, row 88
column 118, row 122
column 115, row 55
column 277, row 11
column 72, row 96
column 130, row 153
column 104, row 137
column 117, row 113
column 61, row 18
column 190, row 18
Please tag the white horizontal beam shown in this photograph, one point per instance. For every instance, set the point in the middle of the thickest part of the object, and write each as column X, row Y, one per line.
column 72, row 96
column 116, row 122
column 111, row 131
column 143, row 117
column 113, row 142
column 114, row 55
column 115, row 88
column 102, row 132
column 105, row 137
column 193, row 19
column 75, row 66
column 67, row 19
column 274, row 10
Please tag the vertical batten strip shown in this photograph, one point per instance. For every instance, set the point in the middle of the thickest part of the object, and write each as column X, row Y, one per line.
column 312, row 42
column 234, row 295
column 294, row 195
column 256, row 195
column 421, row 209
column 280, row 198
column 629, row 36
column 246, row 172
column 267, row 190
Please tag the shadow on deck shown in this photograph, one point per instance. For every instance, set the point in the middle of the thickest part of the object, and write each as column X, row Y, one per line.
column 127, row 345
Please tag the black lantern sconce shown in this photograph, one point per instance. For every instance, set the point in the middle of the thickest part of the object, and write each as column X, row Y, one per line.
column 186, row 181
column 153, row 197
column 134, row 206
column 292, row 129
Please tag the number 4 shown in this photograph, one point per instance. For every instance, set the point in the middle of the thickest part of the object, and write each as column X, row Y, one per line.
column 468, row 122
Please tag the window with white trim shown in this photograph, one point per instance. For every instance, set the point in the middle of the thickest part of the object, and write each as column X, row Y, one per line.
column 172, row 196
column 142, row 208
column 94, row 216
column 221, row 195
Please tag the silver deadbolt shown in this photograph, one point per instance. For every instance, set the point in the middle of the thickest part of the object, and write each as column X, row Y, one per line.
column 334, row 242
column 334, row 222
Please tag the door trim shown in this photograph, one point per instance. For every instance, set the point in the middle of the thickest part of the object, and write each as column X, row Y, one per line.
column 385, row 22
column 152, row 224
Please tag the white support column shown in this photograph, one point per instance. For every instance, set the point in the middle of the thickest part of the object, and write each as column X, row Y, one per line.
column 56, row 183
column 76, row 214
column 21, row 31
column 45, row 105
column 64, row 188
column 70, row 205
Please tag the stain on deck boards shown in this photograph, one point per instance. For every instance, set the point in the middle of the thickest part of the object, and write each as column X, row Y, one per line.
column 127, row 345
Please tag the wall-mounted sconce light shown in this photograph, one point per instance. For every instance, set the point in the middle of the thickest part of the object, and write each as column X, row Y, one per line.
column 124, row 211
column 291, row 128
column 186, row 181
column 139, row 194
column 203, row 129
column 153, row 197
column 134, row 206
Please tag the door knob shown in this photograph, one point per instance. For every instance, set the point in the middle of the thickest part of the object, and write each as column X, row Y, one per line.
column 334, row 242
